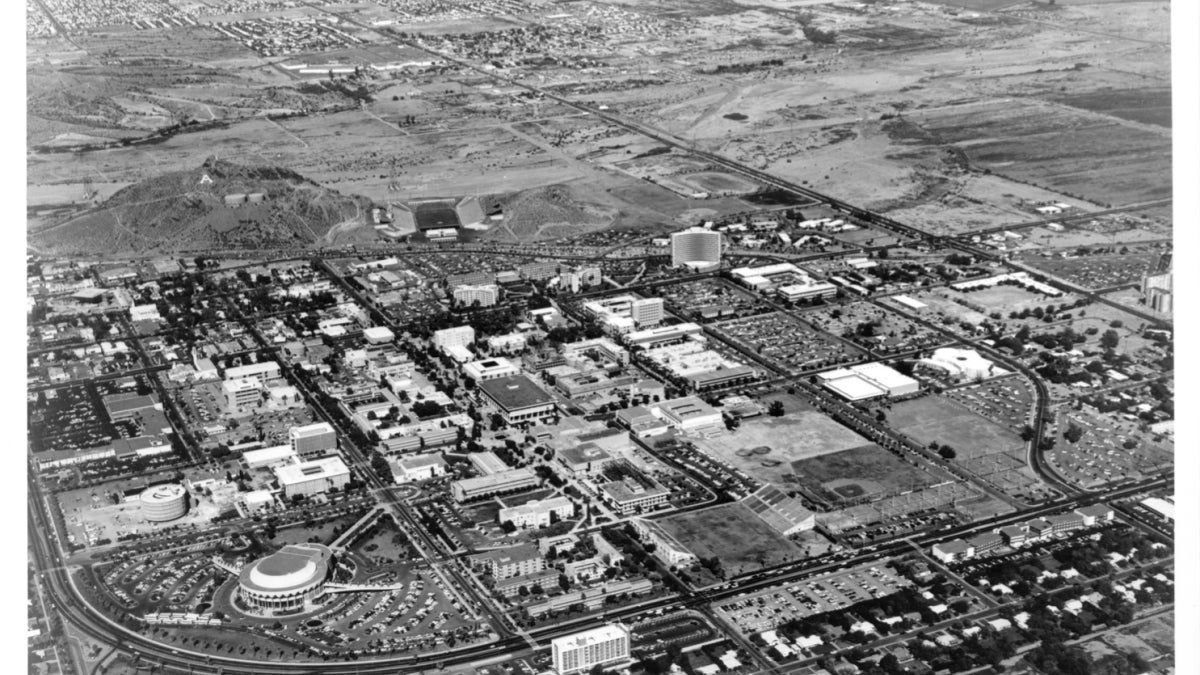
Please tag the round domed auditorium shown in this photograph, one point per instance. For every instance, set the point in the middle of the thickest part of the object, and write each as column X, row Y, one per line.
column 288, row 580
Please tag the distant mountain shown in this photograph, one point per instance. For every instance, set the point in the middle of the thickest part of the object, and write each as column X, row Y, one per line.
column 217, row 205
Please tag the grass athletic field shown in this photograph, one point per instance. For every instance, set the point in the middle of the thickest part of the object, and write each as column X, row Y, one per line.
column 732, row 533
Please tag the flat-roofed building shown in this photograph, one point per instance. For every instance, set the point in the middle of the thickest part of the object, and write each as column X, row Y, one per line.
column 262, row 371
column 378, row 335
column 416, row 468
column 687, row 414
column 490, row 369
column 459, row 336
column 696, row 247
column 539, row 513
column 630, row 496
column 510, row 562
column 1095, row 514
column 518, row 399
column 666, row 547
column 243, row 394
column 596, row 647
column 314, row 477
column 487, row 462
column 584, row 570
column 662, row 335
column 545, row 579
column 485, row 294
column 950, row 551
column 494, row 484
column 269, row 457
column 561, row 543
column 1014, row 535
column 313, row 439
column 585, row 459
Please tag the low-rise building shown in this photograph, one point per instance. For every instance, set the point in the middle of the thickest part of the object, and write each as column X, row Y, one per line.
column 537, row 514
column 314, row 477
column 628, row 497
column 518, row 399
column 417, row 468
column 494, row 484
column 490, row 369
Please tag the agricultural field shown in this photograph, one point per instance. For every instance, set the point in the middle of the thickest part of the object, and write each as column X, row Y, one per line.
column 733, row 534
column 768, row 448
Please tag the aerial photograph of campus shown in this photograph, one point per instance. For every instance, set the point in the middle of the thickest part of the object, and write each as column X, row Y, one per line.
column 522, row 337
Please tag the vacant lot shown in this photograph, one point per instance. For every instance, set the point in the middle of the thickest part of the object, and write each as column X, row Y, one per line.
column 768, row 447
column 732, row 533
column 712, row 181
column 858, row 473
column 1074, row 153
column 933, row 419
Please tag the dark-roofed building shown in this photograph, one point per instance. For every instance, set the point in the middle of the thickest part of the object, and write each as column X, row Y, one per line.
column 587, row 458
column 518, row 399
column 1014, row 535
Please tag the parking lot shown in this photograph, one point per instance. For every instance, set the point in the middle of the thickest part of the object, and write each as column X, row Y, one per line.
column 787, row 342
column 179, row 583
column 767, row 609
column 1007, row 401
column 874, row 328
column 1101, row 456
column 710, row 299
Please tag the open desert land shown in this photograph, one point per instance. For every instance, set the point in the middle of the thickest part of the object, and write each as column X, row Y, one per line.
column 817, row 116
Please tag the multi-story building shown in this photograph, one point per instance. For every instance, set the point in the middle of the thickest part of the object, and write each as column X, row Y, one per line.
column 313, row 439
column 585, row 459
column 538, row 513
column 459, row 336
column 584, row 570
column 516, row 561
column 518, row 399
column 315, row 477
column 629, row 496
column 696, row 247
column 419, row 468
column 486, row 295
column 624, row 313
column 490, row 369
column 243, row 394
column 1157, row 291
column 494, row 484
column 263, row 371
column 666, row 547
column 583, row 651
column 538, row 271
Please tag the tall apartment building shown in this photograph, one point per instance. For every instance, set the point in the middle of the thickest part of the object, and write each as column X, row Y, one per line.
column 695, row 246
column 486, row 295
column 582, row 651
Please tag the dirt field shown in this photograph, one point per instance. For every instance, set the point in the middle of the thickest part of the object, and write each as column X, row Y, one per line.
column 732, row 533
column 935, row 419
column 859, row 473
column 795, row 436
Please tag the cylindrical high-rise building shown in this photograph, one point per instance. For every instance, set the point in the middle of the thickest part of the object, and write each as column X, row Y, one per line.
column 696, row 246
column 164, row 502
